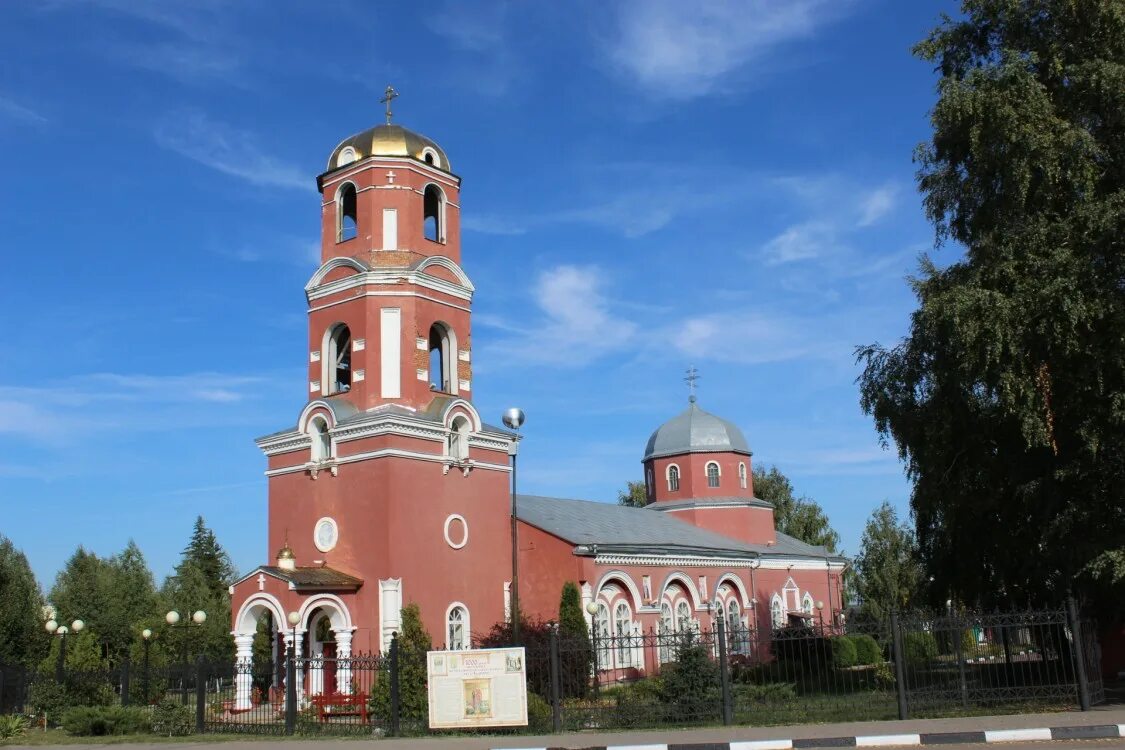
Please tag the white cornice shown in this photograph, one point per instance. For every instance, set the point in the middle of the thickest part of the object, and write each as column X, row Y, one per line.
column 396, row 453
column 372, row 162
column 693, row 561
column 390, row 277
column 418, row 295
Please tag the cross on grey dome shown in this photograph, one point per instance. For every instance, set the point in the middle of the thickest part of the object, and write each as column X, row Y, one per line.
column 695, row 431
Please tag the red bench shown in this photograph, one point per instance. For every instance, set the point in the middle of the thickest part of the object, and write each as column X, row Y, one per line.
column 340, row 704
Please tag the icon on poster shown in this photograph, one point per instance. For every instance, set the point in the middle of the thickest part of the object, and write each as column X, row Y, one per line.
column 478, row 699
column 513, row 663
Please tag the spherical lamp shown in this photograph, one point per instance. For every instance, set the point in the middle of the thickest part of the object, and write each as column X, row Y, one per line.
column 62, row 630
column 51, row 626
column 294, row 618
column 592, row 608
column 77, row 626
column 514, row 418
column 146, row 634
column 172, row 617
column 199, row 617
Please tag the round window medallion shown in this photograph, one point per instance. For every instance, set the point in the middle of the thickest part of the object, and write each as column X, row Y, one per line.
column 456, row 525
column 326, row 534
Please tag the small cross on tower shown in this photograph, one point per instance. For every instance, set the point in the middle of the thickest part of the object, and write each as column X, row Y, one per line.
column 691, row 377
column 388, row 95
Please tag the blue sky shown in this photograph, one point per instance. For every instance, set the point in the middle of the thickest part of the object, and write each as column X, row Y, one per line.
column 648, row 184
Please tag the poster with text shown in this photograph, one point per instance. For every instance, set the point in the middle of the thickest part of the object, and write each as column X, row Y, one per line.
column 477, row 688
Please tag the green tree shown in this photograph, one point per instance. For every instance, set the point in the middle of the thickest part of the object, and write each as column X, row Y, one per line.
column 130, row 600
column 575, row 653
column 201, row 581
column 799, row 517
column 1006, row 400
column 634, row 495
column 83, row 591
column 887, row 572
column 22, row 640
column 413, row 698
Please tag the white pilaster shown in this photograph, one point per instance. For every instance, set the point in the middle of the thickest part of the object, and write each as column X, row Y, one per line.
column 344, row 662
column 243, row 671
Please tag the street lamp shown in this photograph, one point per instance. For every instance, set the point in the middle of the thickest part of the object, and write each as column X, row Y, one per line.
column 514, row 419
column 592, row 610
column 146, row 638
column 173, row 619
column 53, row 628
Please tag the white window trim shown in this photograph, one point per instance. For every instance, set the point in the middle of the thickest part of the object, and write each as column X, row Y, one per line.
column 437, row 157
column 465, row 630
column 335, row 534
column 718, row 472
column 346, row 156
column 320, row 453
column 329, row 357
column 668, row 476
column 464, row 524
column 442, row 201
column 340, row 211
column 742, row 474
column 622, row 654
column 777, row 622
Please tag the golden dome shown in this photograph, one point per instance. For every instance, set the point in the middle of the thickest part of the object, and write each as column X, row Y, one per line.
column 286, row 553
column 388, row 140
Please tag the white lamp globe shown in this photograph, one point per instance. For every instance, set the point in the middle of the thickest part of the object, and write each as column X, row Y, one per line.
column 199, row 617
column 51, row 626
column 592, row 608
column 77, row 626
column 62, row 630
column 172, row 617
column 146, row 634
column 293, row 618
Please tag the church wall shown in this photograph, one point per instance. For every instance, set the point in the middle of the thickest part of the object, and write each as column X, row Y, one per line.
column 749, row 524
column 546, row 563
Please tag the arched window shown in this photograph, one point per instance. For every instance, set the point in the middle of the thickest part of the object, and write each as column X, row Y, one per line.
column 777, row 612
column 433, row 214
column 443, row 358
column 673, row 478
column 742, row 475
column 712, row 474
column 430, row 157
column 321, row 442
column 459, row 439
column 667, row 628
column 807, row 605
column 623, row 629
column 457, row 628
column 347, row 218
column 734, row 626
column 602, row 634
column 719, row 610
column 346, row 157
column 337, row 360
column 683, row 617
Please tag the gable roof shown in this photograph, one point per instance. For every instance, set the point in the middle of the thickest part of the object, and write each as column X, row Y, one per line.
column 621, row 528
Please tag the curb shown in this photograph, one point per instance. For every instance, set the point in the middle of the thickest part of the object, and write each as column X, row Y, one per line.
column 1096, row 732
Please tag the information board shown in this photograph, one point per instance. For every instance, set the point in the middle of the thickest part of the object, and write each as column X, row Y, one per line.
column 477, row 688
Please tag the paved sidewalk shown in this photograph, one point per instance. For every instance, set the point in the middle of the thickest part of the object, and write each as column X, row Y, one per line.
column 714, row 737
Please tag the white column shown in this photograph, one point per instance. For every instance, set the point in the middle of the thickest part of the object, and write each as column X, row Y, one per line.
column 243, row 668
column 293, row 646
column 390, row 355
column 390, row 229
column 344, row 662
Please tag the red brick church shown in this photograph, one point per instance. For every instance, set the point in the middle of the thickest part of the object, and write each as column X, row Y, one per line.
column 391, row 488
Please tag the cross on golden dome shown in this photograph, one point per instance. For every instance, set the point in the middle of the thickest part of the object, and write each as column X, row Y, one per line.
column 389, row 95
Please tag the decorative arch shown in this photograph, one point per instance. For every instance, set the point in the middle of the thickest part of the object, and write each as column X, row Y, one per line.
column 340, row 617
column 447, row 264
column 739, row 586
column 334, row 411
column 246, row 623
column 461, row 406
column 433, row 212
column 347, row 211
column 689, row 586
column 442, row 342
column 330, row 266
column 622, row 578
column 672, row 474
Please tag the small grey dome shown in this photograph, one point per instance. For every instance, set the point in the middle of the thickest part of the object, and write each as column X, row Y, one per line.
column 695, row 431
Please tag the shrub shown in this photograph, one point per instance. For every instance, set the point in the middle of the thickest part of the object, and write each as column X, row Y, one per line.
column 47, row 698
column 867, row 650
column 691, row 684
column 102, row 721
column 799, row 645
column 843, row 652
column 540, row 717
column 12, row 726
column 771, row 692
column 413, row 700
column 170, row 719
column 920, row 648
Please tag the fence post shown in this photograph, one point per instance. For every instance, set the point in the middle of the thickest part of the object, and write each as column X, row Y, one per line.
column 556, row 690
column 724, row 675
column 200, row 693
column 960, row 651
column 1078, row 653
column 900, row 667
column 3, row 703
column 290, row 691
column 145, row 682
column 394, row 686
column 125, row 681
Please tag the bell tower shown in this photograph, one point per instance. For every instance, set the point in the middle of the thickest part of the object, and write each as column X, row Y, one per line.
column 389, row 308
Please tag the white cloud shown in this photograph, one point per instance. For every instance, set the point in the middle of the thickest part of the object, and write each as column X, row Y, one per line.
column 813, row 239
column 576, row 324
column 228, row 150
column 745, row 337
column 20, row 113
column 877, row 204
column 485, row 224
column 682, row 50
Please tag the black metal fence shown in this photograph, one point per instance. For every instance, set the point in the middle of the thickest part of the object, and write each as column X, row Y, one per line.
column 953, row 663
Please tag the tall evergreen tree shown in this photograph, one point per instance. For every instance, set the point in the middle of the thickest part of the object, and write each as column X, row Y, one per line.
column 887, row 572
column 576, row 655
column 201, row 581
column 22, row 640
column 799, row 517
column 1007, row 398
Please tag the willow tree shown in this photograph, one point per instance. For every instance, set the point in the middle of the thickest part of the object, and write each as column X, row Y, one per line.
column 1007, row 398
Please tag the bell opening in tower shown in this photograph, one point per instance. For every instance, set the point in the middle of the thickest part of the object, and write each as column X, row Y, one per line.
column 339, row 360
